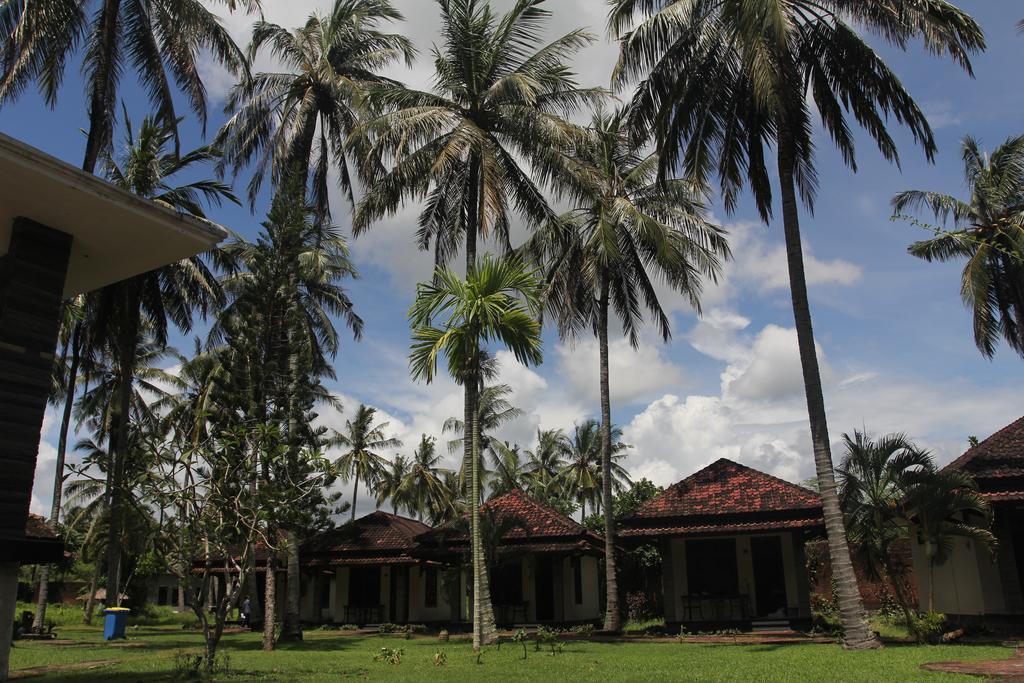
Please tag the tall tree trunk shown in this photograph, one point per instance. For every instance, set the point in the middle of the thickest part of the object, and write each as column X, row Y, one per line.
column 128, row 334
column 856, row 634
column 355, row 492
column 73, row 349
column 612, row 618
column 102, row 93
column 291, row 626
column 269, row 602
column 90, row 601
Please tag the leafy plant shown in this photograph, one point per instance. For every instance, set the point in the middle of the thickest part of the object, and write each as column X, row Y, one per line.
column 928, row 627
column 387, row 627
column 520, row 637
column 546, row 636
column 193, row 665
column 440, row 658
column 391, row 655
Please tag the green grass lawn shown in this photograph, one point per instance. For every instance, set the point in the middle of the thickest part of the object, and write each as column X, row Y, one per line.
column 331, row 656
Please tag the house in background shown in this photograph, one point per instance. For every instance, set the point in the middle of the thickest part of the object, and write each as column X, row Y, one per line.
column 364, row 573
column 971, row 582
column 732, row 547
column 546, row 569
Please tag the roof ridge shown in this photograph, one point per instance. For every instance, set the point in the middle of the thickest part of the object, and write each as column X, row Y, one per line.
column 981, row 448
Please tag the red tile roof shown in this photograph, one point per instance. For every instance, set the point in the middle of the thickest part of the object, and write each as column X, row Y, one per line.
column 726, row 487
column 378, row 533
column 546, row 529
column 725, row 497
column 996, row 461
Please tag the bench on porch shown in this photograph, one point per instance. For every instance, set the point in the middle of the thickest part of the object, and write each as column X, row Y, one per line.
column 362, row 614
column 508, row 613
column 717, row 608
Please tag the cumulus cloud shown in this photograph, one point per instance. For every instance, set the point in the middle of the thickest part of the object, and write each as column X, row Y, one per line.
column 759, row 417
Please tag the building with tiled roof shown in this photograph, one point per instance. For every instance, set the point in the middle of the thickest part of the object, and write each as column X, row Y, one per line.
column 732, row 546
column 971, row 582
column 546, row 563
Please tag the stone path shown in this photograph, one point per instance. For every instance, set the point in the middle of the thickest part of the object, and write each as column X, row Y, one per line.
column 1003, row 670
column 34, row 671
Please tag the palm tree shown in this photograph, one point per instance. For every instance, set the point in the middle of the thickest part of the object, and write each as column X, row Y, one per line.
column 122, row 310
column 582, row 476
column 496, row 303
column 160, row 40
column 426, row 481
column 362, row 438
column 494, row 409
column 945, row 505
column 873, row 480
column 627, row 231
column 392, row 485
column 988, row 233
column 546, row 461
column 510, row 471
column 722, row 85
column 303, row 116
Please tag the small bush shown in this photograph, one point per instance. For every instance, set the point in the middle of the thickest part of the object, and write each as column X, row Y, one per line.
column 440, row 658
column 189, row 666
column 928, row 627
column 348, row 627
column 391, row 655
column 387, row 628
column 583, row 629
column 418, row 629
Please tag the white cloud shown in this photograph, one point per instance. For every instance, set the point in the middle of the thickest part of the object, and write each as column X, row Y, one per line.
column 634, row 374
column 760, row 416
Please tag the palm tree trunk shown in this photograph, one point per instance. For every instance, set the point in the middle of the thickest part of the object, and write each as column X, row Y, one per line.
column 612, row 618
column 58, row 476
column 856, row 634
column 127, row 341
column 102, row 95
column 269, row 602
column 355, row 492
column 583, row 511
column 291, row 627
column 90, row 601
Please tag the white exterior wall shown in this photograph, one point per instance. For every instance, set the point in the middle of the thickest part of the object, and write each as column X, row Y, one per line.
column 589, row 609
column 966, row 583
column 418, row 610
column 745, row 572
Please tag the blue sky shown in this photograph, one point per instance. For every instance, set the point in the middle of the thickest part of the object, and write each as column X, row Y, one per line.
column 895, row 339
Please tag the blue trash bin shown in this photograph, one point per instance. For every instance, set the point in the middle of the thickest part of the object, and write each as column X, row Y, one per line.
column 115, row 623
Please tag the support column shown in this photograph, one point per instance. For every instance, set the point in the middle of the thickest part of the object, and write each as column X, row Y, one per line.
column 32, row 277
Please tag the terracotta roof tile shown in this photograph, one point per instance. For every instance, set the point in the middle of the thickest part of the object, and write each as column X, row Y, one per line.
column 1000, row 456
column 696, row 527
column 37, row 527
column 728, row 488
column 541, row 522
column 373, row 533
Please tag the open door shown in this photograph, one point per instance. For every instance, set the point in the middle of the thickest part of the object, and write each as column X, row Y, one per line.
column 769, row 576
column 544, row 588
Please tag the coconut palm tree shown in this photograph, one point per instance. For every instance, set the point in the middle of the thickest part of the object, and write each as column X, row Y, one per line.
column 627, row 231
column 392, row 485
column 987, row 232
column 582, row 476
column 545, row 462
column 362, row 439
column 494, row 409
column 945, row 505
column 510, row 472
column 496, row 303
column 426, row 481
column 120, row 312
column 160, row 41
column 725, row 84
column 302, row 117
column 873, row 481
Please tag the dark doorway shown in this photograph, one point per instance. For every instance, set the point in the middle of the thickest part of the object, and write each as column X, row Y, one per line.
column 769, row 576
column 1017, row 539
column 399, row 595
column 364, row 587
column 711, row 567
column 544, row 588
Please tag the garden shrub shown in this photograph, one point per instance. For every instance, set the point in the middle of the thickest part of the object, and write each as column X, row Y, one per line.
column 928, row 627
column 391, row 655
column 386, row 628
